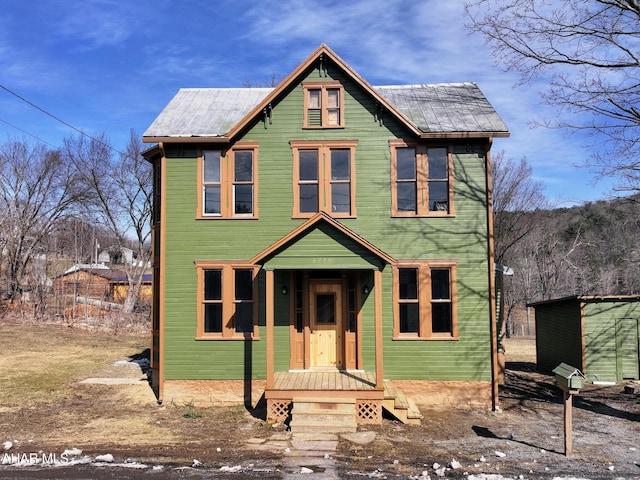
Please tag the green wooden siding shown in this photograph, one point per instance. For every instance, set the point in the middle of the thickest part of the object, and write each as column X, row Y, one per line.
column 462, row 238
column 558, row 335
column 609, row 349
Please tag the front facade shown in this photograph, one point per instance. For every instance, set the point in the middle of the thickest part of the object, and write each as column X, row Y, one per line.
column 324, row 228
column 596, row 334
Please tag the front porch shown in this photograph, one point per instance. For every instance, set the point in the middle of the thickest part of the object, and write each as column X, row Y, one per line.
column 359, row 387
column 335, row 386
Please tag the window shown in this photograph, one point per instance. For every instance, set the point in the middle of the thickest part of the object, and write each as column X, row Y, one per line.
column 324, row 178
column 421, row 180
column 227, row 303
column 227, row 183
column 424, row 301
column 323, row 105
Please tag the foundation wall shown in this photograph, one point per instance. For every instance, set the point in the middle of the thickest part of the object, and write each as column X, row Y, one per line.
column 206, row 393
column 447, row 394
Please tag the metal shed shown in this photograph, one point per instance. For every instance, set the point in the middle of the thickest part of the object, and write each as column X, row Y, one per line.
column 597, row 334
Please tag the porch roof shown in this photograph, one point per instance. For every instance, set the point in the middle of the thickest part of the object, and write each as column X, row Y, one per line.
column 322, row 243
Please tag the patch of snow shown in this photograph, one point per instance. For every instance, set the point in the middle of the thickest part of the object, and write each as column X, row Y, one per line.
column 500, row 454
column 306, row 470
column 455, row 464
column 72, row 452
column 234, row 469
column 8, row 444
column 108, row 458
column 196, row 463
column 75, row 461
column 137, row 465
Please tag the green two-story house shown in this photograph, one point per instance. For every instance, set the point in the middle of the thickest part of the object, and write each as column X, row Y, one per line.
column 324, row 238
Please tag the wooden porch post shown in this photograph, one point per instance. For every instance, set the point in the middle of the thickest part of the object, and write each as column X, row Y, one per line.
column 269, row 310
column 377, row 286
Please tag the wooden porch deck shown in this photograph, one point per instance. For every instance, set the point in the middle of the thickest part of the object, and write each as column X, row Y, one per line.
column 327, row 387
column 324, row 381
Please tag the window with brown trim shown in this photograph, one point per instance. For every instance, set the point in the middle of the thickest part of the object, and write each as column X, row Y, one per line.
column 425, row 301
column 421, row 180
column 323, row 105
column 227, row 301
column 227, row 182
column 324, row 178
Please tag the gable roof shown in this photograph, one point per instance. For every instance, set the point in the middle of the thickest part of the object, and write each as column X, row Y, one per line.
column 457, row 109
column 105, row 273
column 319, row 219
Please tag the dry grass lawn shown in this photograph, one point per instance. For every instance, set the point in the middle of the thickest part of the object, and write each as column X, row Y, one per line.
column 38, row 363
column 520, row 349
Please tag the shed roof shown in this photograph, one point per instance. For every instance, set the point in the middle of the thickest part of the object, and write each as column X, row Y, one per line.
column 429, row 109
column 588, row 299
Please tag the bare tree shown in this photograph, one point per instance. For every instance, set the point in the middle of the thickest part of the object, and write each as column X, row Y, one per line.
column 515, row 195
column 121, row 188
column 588, row 50
column 37, row 190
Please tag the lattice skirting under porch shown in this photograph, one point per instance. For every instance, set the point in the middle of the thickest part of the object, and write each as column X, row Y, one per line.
column 278, row 410
column 369, row 411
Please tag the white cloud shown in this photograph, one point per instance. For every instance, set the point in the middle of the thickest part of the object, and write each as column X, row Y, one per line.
column 98, row 23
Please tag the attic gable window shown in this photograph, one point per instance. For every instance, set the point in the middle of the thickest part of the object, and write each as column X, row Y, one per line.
column 323, row 105
column 421, row 180
column 227, row 182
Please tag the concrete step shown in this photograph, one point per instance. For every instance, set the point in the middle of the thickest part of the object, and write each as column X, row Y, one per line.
column 323, row 416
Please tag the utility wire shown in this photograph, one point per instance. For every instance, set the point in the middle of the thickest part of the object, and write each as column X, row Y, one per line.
column 57, row 119
column 27, row 133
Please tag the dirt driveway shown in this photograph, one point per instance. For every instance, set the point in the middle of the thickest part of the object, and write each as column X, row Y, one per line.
column 524, row 439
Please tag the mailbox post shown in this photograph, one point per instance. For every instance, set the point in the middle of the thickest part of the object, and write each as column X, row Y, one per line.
column 570, row 380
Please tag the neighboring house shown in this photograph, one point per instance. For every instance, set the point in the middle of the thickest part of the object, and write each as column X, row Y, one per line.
column 321, row 237
column 85, row 281
column 97, row 282
column 596, row 334
column 116, row 256
column 120, row 287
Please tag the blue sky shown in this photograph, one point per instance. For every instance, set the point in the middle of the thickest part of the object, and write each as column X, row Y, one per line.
column 112, row 65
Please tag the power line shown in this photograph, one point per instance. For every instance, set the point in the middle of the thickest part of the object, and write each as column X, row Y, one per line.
column 27, row 133
column 57, row 119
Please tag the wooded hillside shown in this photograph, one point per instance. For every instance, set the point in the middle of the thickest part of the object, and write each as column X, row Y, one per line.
column 584, row 250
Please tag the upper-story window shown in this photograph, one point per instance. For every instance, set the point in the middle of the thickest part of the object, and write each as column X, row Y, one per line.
column 324, row 178
column 421, row 180
column 227, row 182
column 323, row 105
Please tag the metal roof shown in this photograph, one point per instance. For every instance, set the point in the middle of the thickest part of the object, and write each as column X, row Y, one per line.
column 443, row 108
column 205, row 112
